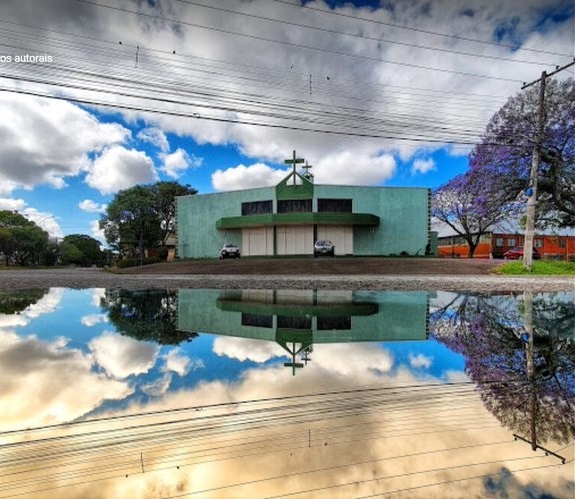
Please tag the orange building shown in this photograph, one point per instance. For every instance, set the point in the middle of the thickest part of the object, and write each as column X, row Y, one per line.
column 495, row 244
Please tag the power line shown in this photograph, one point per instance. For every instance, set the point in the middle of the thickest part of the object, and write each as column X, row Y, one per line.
column 347, row 132
column 297, row 45
column 360, row 36
column 417, row 30
column 179, row 54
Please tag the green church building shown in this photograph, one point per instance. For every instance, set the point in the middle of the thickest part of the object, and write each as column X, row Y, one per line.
column 287, row 219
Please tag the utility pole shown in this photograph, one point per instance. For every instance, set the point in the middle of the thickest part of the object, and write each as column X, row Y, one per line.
column 532, row 200
column 533, row 174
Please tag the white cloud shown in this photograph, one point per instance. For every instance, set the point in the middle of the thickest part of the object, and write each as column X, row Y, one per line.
column 156, row 137
column 122, row 356
column 96, row 296
column 43, row 141
column 119, row 168
column 44, row 220
column 47, row 142
column 12, row 320
column 12, row 204
column 91, row 206
column 423, row 166
column 97, row 233
column 174, row 164
column 420, row 361
column 354, row 168
column 245, row 177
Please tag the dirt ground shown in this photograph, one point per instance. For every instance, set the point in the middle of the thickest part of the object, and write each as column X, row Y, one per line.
column 323, row 266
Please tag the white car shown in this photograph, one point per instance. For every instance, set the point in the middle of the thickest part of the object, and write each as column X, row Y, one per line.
column 229, row 251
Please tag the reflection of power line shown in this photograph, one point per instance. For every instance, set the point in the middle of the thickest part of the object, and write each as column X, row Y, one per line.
column 332, row 468
column 237, row 430
column 537, row 446
column 455, row 480
column 417, row 388
column 404, row 475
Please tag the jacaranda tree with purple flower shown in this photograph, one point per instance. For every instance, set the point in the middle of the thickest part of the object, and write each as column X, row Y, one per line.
column 471, row 204
column 503, row 158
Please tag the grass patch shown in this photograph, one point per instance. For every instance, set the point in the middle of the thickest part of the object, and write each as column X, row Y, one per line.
column 540, row 267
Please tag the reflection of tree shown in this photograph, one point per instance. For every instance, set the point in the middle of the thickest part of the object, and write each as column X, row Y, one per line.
column 147, row 315
column 490, row 332
column 14, row 302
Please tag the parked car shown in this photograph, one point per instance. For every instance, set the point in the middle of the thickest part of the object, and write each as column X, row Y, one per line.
column 229, row 251
column 517, row 254
column 323, row 248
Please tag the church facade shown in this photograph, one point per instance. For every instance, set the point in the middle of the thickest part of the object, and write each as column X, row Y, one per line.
column 288, row 218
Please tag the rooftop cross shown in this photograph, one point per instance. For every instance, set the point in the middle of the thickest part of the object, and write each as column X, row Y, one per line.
column 294, row 161
column 307, row 173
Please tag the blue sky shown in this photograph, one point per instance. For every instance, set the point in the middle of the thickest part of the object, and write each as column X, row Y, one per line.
column 218, row 94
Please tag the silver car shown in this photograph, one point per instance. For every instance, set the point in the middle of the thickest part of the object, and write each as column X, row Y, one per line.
column 323, row 247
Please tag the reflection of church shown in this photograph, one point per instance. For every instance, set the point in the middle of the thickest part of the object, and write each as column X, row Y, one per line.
column 298, row 319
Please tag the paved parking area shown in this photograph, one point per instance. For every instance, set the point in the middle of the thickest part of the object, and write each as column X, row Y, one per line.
column 324, row 266
column 297, row 273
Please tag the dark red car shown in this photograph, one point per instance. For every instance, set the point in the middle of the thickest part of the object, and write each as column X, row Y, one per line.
column 517, row 254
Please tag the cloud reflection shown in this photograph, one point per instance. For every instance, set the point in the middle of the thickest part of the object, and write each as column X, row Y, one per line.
column 93, row 319
column 122, row 356
column 177, row 362
column 46, row 382
column 246, row 349
column 420, row 361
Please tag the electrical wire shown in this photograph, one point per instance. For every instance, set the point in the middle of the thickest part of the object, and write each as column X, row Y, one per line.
column 340, row 119
column 379, row 40
column 297, row 45
column 234, row 430
column 415, row 30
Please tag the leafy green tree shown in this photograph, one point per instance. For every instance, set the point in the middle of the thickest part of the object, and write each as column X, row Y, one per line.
column 70, row 254
column 51, row 253
column 21, row 240
column 142, row 216
column 81, row 249
column 130, row 223
column 166, row 193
